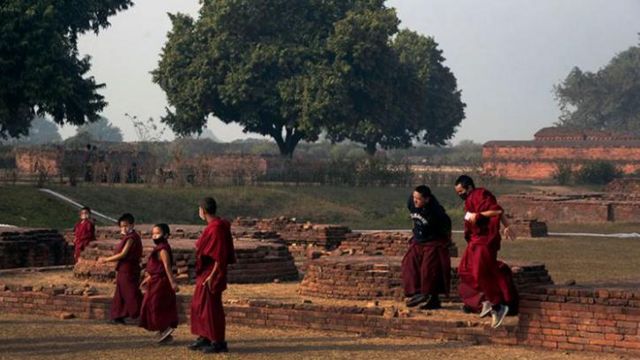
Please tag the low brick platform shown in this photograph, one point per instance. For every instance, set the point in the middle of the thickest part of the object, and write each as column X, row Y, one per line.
column 379, row 277
column 529, row 228
column 382, row 243
column 569, row 318
column 21, row 247
column 258, row 261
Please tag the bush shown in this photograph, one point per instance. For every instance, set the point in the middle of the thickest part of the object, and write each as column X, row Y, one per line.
column 563, row 174
column 598, row 173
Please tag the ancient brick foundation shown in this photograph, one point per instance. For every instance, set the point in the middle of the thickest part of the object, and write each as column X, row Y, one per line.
column 382, row 243
column 257, row 261
column 529, row 228
column 379, row 277
column 539, row 159
column 573, row 208
column 33, row 248
column 567, row 318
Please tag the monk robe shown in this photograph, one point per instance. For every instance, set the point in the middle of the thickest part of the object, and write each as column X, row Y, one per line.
column 127, row 299
column 84, row 233
column 482, row 276
column 215, row 245
column 426, row 267
column 159, row 310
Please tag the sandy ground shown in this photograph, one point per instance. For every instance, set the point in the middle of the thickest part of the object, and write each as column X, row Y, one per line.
column 28, row 337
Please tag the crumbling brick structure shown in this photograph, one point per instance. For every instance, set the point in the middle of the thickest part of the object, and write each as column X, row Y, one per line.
column 21, row 247
column 539, row 159
column 379, row 277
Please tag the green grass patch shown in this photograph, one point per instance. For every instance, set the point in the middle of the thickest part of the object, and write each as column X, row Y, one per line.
column 27, row 207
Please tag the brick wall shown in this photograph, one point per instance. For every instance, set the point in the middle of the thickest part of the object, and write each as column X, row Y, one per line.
column 538, row 161
column 21, row 247
column 378, row 277
column 586, row 208
column 382, row 243
column 258, row 261
column 581, row 318
column 565, row 318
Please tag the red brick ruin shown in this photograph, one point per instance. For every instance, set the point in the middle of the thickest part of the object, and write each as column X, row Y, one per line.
column 340, row 264
column 538, row 159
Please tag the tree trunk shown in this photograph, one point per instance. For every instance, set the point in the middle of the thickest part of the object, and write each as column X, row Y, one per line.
column 371, row 148
column 288, row 143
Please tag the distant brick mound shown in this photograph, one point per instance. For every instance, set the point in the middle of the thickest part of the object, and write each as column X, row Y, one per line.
column 379, row 277
column 573, row 208
column 538, row 159
column 20, row 247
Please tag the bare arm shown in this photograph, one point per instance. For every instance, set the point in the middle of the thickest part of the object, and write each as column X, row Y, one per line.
column 120, row 255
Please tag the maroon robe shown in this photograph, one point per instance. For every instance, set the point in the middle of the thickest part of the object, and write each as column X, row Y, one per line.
column 84, row 232
column 482, row 276
column 426, row 268
column 127, row 299
column 159, row 310
column 215, row 245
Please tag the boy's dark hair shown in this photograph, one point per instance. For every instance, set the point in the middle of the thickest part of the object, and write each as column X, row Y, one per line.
column 209, row 205
column 126, row 217
column 466, row 182
column 88, row 209
column 423, row 190
column 166, row 231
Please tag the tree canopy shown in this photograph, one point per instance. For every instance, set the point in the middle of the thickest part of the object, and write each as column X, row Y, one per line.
column 41, row 71
column 294, row 69
column 606, row 99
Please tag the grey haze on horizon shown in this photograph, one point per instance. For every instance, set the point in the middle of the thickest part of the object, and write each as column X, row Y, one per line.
column 506, row 55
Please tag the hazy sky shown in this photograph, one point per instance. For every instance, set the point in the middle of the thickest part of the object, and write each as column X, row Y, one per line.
column 506, row 55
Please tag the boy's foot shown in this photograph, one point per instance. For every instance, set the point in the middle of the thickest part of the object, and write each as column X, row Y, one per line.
column 216, row 347
column 117, row 321
column 466, row 309
column 199, row 344
column 166, row 333
column 167, row 340
column 486, row 309
column 432, row 303
column 416, row 300
column 497, row 316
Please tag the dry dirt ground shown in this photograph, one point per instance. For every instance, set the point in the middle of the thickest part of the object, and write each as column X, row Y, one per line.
column 28, row 337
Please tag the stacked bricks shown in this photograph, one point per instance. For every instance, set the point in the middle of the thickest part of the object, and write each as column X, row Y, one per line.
column 260, row 257
column 382, row 243
column 379, row 277
column 529, row 228
column 21, row 247
column 603, row 319
column 306, row 241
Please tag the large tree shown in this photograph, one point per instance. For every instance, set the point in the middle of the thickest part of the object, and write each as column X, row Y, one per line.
column 291, row 69
column 100, row 130
column 606, row 99
column 41, row 131
column 40, row 68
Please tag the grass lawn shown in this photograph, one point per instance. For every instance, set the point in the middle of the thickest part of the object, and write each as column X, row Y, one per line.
column 583, row 259
column 359, row 208
column 26, row 206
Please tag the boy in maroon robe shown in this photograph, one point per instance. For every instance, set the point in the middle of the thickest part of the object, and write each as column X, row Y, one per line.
column 485, row 285
column 127, row 298
column 214, row 251
column 159, row 311
column 426, row 267
column 84, row 232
